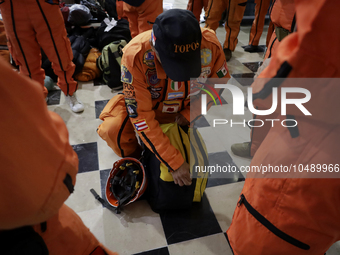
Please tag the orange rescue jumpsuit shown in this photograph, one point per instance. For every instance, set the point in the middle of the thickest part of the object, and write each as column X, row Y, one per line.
column 31, row 25
column 235, row 11
column 38, row 168
column 152, row 99
column 195, row 6
column 142, row 17
column 261, row 9
column 297, row 216
column 282, row 14
column 4, row 53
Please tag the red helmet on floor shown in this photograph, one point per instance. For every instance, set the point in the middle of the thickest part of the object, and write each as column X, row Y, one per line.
column 126, row 182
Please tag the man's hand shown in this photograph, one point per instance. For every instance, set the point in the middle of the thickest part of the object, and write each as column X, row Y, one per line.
column 181, row 120
column 182, row 175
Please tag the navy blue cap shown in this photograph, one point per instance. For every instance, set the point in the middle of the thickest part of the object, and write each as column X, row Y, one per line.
column 177, row 38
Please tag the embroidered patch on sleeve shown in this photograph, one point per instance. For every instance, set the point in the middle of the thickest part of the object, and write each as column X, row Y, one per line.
column 128, row 90
column 126, row 76
column 149, row 58
column 206, row 56
column 131, row 107
column 141, row 125
column 170, row 106
column 154, row 91
column 176, row 85
column 222, row 71
column 174, row 95
column 151, row 77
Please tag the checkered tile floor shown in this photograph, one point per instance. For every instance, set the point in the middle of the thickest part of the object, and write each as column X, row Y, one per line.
column 138, row 230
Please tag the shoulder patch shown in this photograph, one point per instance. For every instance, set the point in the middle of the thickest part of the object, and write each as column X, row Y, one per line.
column 131, row 107
column 206, row 56
column 149, row 58
column 151, row 77
column 126, row 76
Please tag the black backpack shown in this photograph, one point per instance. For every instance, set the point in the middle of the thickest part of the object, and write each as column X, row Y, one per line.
column 120, row 32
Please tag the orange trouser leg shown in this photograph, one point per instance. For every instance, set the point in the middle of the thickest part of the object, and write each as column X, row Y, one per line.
column 132, row 16
column 235, row 11
column 261, row 9
column 21, row 40
column 258, row 134
column 40, row 27
column 195, row 6
column 66, row 234
column 52, row 37
column 214, row 13
column 272, row 46
column 147, row 14
column 119, row 8
column 232, row 26
column 269, row 33
column 117, row 129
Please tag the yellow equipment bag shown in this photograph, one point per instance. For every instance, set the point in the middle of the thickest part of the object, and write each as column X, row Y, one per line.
column 163, row 193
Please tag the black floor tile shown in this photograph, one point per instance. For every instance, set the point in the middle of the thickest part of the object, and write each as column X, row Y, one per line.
column 202, row 122
column 185, row 225
column 160, row 251
column 99, row 106
column 245, row 79
column 88, row 157
column 53, row 97
column 253, row 66
column 223, row 159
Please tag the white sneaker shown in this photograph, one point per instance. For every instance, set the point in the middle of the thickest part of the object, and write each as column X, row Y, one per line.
column 75, row 104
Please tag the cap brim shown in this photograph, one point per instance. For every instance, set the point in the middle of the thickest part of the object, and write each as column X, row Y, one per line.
column 182, row 69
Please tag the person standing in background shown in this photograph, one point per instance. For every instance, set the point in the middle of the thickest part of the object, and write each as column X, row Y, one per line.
column 195, row 6
column 34, row 24
column 235, row 11
column 261, row 9
column 141, row 14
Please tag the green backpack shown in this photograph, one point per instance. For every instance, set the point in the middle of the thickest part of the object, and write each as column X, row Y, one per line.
column 109, row 63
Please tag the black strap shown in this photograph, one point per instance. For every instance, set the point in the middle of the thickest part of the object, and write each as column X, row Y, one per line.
column 293, row 130
column 283, row 72
column 266, row 223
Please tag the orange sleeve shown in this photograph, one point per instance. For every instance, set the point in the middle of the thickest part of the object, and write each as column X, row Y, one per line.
column 139, row 105
column 38, row 165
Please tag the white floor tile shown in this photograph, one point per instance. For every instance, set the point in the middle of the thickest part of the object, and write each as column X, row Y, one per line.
column 81, row 199
column 135, row 230
column 223, row 200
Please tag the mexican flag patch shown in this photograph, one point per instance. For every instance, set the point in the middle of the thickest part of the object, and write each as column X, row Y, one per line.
column 222, row 71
